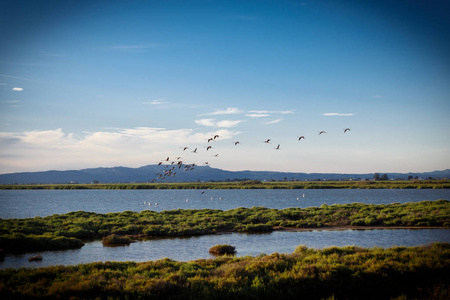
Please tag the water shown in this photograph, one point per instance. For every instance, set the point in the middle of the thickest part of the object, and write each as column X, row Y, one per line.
column 32, row 203
column 185, row 249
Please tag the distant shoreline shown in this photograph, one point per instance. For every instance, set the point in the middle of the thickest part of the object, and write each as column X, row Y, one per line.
column 250, row 184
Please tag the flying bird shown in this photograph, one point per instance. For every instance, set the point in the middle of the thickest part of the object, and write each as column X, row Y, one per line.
column 235, row 143
column 301, row 137
column 216, row 136
column 346, row 129
column 267, row 141
column 322, row 132
column 184, row 148
column 195, row 150
column 207, row 148
column 278, row 147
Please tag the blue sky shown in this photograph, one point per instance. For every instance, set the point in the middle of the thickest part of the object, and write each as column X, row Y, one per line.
column 128, row 83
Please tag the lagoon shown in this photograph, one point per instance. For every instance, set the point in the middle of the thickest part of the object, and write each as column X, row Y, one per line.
column 191, row 248
column 32, row 203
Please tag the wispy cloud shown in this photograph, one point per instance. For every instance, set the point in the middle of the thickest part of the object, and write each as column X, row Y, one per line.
column 156, row 102
column 15, row 77
column 221, row 124
column 10, row 101
column 283, row 112
column 274, row 121
column 228, row 123
column 228, row 111
column 17, row 89
column 338, row 114
column 205, row 122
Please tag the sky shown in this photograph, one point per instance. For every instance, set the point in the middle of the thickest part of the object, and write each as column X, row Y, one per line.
column 86, row 84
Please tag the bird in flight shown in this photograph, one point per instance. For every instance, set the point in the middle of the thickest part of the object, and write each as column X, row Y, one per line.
column 301, row 137
column 267, row 141
column 216, row 136
column 278, row 147
column 184, row 148
column 207, row 148
column 322, row 132
column 346, row 129
column 235, row 143
column 195, row 150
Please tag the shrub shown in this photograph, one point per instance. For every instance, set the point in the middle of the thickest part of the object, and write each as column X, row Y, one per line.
column 222, row 249
column 115, row 240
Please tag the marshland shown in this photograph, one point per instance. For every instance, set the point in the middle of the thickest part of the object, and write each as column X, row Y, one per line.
column 187, row 222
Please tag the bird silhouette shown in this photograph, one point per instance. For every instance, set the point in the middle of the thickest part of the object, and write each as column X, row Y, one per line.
column 278, row 147
column 301, row 137
column 320, row 132
column 346, row 129
column 235, row 143
column 267, row 141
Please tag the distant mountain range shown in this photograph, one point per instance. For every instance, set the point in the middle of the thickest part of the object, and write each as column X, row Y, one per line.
column 199, row 173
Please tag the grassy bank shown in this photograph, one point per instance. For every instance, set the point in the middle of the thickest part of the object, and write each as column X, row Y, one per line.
column 69, row 230
column 332, row 273
column 252, row 184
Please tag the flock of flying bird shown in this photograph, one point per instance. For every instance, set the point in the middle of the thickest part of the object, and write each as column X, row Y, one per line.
column 175, row 165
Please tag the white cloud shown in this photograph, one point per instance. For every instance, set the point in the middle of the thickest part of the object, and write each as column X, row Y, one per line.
column 18, row 89
column 54, row 149
column 205, row 122
column 228, row 111
column 338, row 114
column 274, row 121
column 283, row 112
column 257, row 115
column 228, row 123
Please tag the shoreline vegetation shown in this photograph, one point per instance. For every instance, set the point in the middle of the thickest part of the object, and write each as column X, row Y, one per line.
column 71, row 230
column 249, row 184
column 332, row 273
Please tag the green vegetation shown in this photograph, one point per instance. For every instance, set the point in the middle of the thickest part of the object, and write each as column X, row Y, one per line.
column 251, row 184
column 332, row 273
column 222, row 250
column 115, row 240
column 69, row 230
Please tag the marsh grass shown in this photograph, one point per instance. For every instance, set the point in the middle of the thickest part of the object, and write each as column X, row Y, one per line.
column 331, row 273
column 69, row 230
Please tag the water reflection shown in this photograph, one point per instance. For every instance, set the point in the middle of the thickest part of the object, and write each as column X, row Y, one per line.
column 191, row 248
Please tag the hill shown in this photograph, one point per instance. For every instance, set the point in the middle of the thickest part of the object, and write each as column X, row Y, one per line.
column 199, row 173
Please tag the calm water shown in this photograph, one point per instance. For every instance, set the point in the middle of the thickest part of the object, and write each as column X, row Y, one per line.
column 31, row 203
column 24, row 204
